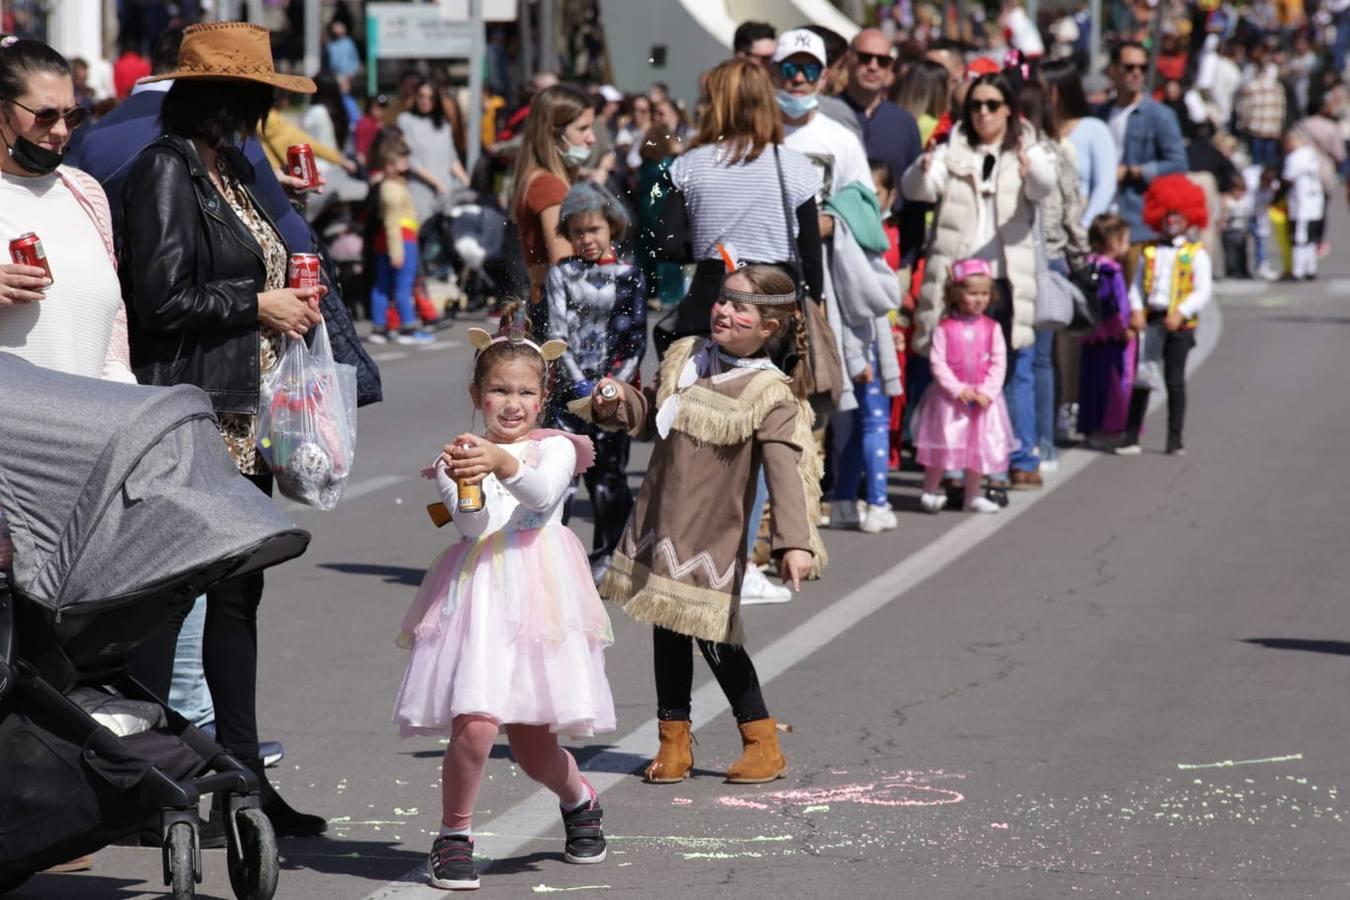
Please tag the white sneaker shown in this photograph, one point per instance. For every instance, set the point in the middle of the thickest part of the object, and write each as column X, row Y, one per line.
column 932, row 503
column 757, row 590
column 1049, row 465
column 845, row 514
column 377, row 337
column 1128, row 450
column 878, row 519
column 984, row 504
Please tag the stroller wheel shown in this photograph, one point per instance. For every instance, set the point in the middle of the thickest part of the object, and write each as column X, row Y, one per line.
column 182, row 861
column 254, row 865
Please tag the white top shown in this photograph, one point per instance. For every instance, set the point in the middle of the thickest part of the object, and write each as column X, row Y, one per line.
column 532, row 498
column 742, row 204
column 835, row 151
column 1119, row 121
column 1202, row 272
column 1302, row 170
column 318, row 124
column 71, row 328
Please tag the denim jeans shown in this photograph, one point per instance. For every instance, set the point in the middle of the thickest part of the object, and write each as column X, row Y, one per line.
column 1341, row 48
column 1265, row 151
column 398, row 282
column 1020, row 393
column 188, row 694
column 757, row 513
column 868, row 446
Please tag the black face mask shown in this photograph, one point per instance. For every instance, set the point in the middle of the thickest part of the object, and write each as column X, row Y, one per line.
column 31, row 157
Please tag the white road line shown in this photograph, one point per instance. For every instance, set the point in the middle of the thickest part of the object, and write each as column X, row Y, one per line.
column 506, row 834
column 388, row 356
column 360, row 489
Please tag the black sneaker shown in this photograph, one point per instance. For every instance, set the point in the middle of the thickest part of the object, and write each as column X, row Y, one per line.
column 585, row 838
column 451, row 863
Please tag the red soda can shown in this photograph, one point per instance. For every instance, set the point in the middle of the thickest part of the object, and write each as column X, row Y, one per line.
column 300, row 164
column 26, row 250
column 303, row 271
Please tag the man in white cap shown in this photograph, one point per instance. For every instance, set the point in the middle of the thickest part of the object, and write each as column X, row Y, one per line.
column 799, row 74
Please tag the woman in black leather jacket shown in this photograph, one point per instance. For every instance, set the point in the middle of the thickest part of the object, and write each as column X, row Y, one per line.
column 203, row 272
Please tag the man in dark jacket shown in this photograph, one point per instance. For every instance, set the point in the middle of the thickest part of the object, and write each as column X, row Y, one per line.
column 107, row 150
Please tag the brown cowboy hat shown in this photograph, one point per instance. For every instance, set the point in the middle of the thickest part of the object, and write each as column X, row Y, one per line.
column 231, row 51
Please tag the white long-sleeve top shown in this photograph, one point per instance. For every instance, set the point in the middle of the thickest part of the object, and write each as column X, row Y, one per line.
column 1160, row 297
column 1303, row 173
column 532, row 498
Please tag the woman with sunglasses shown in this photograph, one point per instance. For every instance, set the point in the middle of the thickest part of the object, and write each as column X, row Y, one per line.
column 73, row 322
column 989, row 177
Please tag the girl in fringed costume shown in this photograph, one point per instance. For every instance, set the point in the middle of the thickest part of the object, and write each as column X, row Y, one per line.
column 1173, row 281
column 719, row 410
column 507, row 629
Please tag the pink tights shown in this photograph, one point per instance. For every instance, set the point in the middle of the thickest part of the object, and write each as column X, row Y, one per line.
column 535, row 749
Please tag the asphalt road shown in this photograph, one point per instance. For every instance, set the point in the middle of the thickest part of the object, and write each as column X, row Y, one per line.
column 1128, row 685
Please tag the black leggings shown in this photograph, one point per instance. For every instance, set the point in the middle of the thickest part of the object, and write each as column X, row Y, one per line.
column 229, row 655
column 730, row 665
column 1177, row 346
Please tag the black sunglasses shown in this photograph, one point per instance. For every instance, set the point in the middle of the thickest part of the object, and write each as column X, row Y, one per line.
column 811, row 70
column 989, row 106
column 48, row 115
column 1133, row 67
column 866, row 59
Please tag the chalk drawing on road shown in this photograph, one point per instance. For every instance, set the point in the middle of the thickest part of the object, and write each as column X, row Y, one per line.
column 904, row 789
column 1230, row 763
column 546, row 889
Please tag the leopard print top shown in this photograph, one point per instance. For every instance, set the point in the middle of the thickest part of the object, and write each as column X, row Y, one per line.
column 240, row 430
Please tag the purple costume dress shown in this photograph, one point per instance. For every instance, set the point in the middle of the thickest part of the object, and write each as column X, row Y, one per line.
column 967, row 352
column 1106, row 373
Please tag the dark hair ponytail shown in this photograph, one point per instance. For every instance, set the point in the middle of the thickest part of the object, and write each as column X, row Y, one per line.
column 21, row 57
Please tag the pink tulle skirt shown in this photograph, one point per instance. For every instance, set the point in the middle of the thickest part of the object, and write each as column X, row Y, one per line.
column 509, row 627
column 956, row 436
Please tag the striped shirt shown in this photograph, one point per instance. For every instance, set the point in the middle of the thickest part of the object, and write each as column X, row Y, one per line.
column 742, row 204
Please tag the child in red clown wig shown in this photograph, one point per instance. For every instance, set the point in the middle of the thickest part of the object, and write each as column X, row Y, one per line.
column 1172, row 282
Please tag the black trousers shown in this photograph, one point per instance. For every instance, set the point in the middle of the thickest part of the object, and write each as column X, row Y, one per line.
column 607, row 483
column 229, row 655
column 1177, row 346
column 1235, row 257
column 730, row 664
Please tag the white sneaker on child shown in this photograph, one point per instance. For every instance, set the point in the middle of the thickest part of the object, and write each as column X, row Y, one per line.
column 845, row 514
column 756, row 590
column 982, row 505
column 878, row 519
column 932, row 503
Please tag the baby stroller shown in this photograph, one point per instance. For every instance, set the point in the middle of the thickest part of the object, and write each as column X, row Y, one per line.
column 122, row 506
column 471, row 242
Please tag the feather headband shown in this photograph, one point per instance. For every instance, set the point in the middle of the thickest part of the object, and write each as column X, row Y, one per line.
column 757, row 299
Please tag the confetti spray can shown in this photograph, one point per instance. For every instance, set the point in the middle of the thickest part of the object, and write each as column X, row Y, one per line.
column 470, row 495
column 26, row 250
column 302, row 271
column 300, row 164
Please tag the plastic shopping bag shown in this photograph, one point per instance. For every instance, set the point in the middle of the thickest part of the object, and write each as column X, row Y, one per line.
column 307, row 423
column 1149, row 373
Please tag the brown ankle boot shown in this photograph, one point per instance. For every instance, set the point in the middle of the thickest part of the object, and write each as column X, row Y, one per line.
column 761, row 759
column 675, row 757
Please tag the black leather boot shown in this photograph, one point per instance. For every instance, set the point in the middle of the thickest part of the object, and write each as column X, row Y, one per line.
column 285, row 821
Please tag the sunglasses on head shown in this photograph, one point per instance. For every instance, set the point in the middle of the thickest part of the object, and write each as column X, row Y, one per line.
column 1133, row 67
column 989, row 106
column 48, row 116
column 866, row 59
column 791, row 70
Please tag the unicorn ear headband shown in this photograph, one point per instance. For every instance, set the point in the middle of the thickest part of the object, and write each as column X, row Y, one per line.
column 970, row 268
column 481, row 339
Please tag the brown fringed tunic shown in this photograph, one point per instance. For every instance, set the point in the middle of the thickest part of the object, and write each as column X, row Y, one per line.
column 681, row 559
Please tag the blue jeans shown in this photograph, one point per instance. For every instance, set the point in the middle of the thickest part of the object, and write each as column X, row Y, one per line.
column 1341, row 48
column 868, row 447
column 1265, row 151
column 188, row 694
column 757, row 513
column 1043, row 367
column 398, row 282
column 1020, row 393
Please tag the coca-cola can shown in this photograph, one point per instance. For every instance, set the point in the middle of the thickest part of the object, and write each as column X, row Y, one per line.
column 303, row 271
column 26, row 250
column 300, row 164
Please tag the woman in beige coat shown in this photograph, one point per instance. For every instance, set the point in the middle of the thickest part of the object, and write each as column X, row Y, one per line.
column 986, row 181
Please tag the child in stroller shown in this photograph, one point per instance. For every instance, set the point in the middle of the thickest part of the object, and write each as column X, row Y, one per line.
column 104, row 548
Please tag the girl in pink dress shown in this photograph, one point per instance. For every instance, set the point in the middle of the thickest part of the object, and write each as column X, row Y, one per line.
column 507, row 630
column 962, row 420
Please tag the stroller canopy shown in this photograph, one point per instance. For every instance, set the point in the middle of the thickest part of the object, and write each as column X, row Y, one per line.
column 115, row 490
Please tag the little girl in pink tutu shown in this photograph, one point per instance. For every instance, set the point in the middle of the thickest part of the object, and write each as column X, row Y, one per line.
column 962, row 420
column 507, row 630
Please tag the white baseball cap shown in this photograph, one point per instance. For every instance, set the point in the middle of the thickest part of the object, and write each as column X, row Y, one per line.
column 799, row 40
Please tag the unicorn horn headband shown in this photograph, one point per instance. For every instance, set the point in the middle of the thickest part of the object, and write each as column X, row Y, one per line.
column 481, row 339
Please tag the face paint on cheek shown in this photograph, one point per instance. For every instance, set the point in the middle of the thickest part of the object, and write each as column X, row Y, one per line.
column 743, row 320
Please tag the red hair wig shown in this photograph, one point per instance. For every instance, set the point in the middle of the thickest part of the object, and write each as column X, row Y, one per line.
column 1175, row 194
